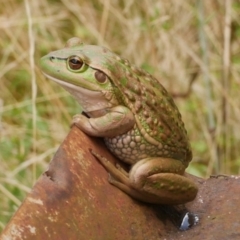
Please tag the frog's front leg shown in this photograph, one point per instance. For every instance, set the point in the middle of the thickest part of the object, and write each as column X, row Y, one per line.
column 116, row 121
column 153, row 180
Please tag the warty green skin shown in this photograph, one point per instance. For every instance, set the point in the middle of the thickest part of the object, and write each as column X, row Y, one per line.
column 135, row 115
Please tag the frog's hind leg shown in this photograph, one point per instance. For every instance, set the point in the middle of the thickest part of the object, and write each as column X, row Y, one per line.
column 119, row 178
column 164, row 180
column 115, row 171
column 153, row 180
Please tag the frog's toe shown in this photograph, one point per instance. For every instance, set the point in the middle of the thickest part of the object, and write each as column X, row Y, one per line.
column 122, row 170
column 120, row 175
column 76, row 120
column 111, row 179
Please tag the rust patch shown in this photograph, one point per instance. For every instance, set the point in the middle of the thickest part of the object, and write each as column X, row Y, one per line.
column 73, row 200
column 59, row 173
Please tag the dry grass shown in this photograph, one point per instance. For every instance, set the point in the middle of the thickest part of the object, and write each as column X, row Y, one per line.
column 180, row 42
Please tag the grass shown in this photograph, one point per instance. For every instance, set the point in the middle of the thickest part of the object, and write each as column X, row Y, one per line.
column 192, row 49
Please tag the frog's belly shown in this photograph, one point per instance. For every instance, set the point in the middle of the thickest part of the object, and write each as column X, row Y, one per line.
column 131, row 147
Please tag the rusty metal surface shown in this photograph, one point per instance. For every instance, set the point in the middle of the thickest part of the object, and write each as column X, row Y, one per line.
column 73, row 200
column 218, row 205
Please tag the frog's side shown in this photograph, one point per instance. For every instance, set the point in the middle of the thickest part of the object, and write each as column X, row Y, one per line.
column 134, row 114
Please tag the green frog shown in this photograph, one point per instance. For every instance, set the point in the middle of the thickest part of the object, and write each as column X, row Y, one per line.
column 135, row 115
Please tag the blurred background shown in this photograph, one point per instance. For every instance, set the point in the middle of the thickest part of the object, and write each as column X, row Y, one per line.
column 192, row 47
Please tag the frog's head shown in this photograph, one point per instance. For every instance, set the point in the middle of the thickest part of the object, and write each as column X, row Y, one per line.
column 84, row 71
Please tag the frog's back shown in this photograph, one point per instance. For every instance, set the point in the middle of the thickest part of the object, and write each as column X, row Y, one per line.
column 157, row 117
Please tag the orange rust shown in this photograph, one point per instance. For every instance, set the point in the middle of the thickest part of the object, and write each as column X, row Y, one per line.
column 74, row 200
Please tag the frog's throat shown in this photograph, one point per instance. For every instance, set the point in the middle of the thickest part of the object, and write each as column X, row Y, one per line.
column 89, row 100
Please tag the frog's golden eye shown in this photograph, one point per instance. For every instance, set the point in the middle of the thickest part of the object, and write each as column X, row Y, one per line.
column 75, row 62
column 100, row 76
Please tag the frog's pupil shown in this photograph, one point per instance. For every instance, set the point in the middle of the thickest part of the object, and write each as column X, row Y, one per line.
column 75, row 63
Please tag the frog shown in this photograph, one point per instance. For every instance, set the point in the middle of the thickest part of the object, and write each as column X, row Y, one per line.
column 134, row 114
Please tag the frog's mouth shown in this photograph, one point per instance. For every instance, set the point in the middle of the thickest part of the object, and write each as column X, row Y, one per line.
column 92, row 102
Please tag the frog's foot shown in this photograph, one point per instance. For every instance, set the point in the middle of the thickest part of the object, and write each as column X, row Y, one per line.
column 115, row 121
column 119, row 178
column 153, row 180
column 122, row 170
column 116, row 172
column 77, row 118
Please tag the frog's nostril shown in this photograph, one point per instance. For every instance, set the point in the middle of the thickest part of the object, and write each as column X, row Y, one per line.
column 52, row 58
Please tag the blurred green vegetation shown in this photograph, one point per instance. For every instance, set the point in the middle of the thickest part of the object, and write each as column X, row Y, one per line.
column 191, row 47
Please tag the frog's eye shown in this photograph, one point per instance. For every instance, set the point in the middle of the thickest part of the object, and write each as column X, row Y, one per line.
column 75, row 63
column 100, row 76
